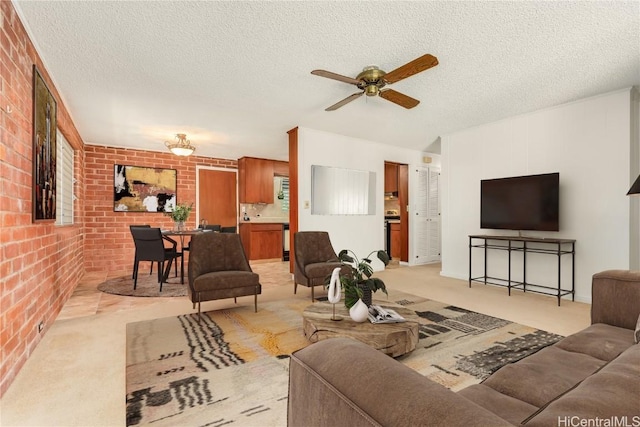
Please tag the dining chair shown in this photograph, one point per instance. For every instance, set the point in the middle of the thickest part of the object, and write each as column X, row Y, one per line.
column 134, row 263
column 166, row 238
column 150, row 247
column 228, row 229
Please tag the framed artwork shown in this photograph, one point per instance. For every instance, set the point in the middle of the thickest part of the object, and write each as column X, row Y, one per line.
column 44, row 150
column 142, row 189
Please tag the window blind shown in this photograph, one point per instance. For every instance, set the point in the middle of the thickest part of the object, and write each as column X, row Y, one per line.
column 285, row 190
column 64, row 186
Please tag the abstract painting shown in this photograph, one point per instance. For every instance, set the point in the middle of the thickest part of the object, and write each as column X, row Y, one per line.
column 44, row 150
column 142, row 189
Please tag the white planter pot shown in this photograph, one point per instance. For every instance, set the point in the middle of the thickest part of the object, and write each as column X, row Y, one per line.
column 359, row 312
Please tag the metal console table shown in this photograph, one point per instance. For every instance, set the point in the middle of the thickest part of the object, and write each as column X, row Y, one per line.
column 520, row 244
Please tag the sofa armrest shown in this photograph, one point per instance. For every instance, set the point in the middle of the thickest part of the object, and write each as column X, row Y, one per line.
column 615, row 298
column 343, row 382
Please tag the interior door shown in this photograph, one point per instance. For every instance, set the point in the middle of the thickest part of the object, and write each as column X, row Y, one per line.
column 427, row 215
column 217, row 197
column 403, row 198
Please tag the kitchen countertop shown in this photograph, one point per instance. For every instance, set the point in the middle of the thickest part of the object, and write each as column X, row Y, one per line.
column 265, row 220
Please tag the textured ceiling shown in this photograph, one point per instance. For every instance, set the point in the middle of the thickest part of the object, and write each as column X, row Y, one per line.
column 235, row 76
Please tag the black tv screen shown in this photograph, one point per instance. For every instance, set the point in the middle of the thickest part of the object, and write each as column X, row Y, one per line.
column 520, row 203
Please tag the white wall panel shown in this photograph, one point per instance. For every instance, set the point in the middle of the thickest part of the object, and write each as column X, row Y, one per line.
column 361, row 233
column 588, row 143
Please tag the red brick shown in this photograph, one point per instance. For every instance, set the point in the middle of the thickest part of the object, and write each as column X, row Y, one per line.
column 35, row 255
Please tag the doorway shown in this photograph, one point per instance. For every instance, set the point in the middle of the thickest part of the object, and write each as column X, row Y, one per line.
column 396, row 200
column 217, row 196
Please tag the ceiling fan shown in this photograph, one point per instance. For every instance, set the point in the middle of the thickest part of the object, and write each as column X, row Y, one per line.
column 372, row 79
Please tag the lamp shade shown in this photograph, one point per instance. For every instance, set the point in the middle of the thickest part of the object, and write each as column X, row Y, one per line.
column 635, row 188
column 182, row 147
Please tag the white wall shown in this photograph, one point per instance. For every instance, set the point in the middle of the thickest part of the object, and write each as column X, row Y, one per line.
column 634, row 261
column 360, row 233
column 589, row 144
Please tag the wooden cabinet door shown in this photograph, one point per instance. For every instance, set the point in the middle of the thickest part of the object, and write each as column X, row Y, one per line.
column 256, row 180
column 244, row 230
column 266, row 241
column 396, row 241
column 280, row 168
column 390, row 177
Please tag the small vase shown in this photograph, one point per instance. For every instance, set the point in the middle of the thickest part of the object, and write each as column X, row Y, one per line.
column 359, row 312
column 178, row 226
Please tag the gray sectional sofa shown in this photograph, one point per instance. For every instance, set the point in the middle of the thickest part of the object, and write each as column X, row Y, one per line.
column 591, row 375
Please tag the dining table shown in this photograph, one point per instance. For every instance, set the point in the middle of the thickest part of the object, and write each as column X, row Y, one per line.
column 181, row 234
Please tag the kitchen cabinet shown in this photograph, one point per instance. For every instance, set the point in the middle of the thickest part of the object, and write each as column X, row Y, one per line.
column 390, row 177
column 255, row 180
column 262, row 240
column 280, row 168
column 396, row 240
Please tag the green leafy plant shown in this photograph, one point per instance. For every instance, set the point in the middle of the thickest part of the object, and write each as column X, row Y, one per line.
column 180, row 212
column 360, row 275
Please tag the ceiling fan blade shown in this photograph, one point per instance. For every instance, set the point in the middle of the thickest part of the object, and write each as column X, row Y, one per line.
column 398, row 98
column 345, row 101
column 409, row 69
column 334, row 76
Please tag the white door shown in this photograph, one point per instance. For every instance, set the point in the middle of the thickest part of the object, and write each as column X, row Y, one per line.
column 427, row 215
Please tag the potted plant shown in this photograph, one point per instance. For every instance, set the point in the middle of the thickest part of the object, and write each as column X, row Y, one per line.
column 358, row 283
column 179, row 214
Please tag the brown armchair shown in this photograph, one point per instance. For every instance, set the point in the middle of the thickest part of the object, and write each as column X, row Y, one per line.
column 315, row 259
column 218, row 269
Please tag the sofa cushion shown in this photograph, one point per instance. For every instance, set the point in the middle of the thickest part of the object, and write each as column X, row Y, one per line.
column 343, row 382
column 543, row 376
column 614, row 391
column 604, row 342
column 506, row 407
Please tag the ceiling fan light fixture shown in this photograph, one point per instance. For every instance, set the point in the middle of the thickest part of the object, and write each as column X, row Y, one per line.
column 372, row 80
column 182, row 147
column 371, row 90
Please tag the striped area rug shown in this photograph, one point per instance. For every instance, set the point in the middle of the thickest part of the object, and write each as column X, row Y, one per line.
column 232, row 368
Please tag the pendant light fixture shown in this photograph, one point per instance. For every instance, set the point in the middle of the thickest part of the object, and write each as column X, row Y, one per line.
column 182, row 147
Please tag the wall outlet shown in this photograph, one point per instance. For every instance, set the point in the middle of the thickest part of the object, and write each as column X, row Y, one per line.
column 40, row 326
column 306, row 204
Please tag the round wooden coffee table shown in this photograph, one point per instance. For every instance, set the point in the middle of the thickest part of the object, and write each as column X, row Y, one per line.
column 394, row 339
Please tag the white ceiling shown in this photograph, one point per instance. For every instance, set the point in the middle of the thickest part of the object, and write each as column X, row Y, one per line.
column 235, row 76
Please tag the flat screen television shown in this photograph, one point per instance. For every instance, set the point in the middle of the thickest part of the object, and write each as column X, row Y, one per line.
column 521, row 203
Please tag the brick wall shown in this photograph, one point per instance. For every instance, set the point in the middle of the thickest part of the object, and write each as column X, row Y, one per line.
column 40, row 264
column 108, row 244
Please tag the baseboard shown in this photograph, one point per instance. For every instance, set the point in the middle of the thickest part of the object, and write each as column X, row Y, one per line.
column 454, row 276
column 581, row 299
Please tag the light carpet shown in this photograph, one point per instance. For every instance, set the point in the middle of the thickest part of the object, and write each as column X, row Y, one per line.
column 232, row 368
